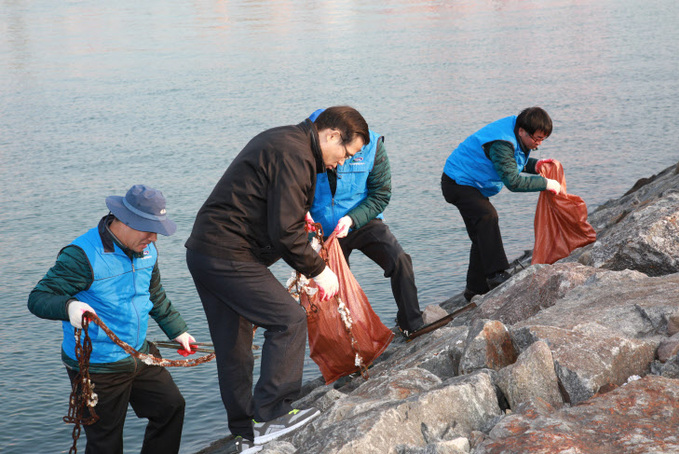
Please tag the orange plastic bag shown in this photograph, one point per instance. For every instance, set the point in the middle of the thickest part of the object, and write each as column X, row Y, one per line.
column 560, row 220
column 345, row 334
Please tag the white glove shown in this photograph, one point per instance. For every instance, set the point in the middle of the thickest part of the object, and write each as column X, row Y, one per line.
column 343, row 226
column 186, row 340
column 75, row 312
column 327, row 283
column 553, row 186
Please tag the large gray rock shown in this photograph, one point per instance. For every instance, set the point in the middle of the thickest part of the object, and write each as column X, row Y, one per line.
column 589, row 356
column 639, row 418
column 627, row 301
column 532, row 378
column 488, row 346
column 531, row 291
column 376, row 417
column 639, row 231
column 645, row 191
column 438, row 352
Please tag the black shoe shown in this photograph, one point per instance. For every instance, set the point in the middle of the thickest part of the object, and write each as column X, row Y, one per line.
column 496, row 279
column 469, row 294
column 240, row 445
column 408, row 333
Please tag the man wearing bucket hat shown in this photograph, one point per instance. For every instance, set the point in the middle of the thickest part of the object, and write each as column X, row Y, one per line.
column 112, row 271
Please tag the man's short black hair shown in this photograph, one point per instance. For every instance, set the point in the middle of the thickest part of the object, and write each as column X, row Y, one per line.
column 347, row 120
column 534, row 119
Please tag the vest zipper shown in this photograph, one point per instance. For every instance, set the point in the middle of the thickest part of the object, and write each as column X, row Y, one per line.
column 136, row 310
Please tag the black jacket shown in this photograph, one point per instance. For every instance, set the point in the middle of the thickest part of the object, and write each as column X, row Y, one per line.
column 256, row 210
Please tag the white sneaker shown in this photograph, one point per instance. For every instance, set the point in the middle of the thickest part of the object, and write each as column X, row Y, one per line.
column 269, row 430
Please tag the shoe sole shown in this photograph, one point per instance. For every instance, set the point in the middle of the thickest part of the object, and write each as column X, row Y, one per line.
column 279, row 433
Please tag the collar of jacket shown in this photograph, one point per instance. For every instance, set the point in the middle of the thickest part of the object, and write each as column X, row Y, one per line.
column 108, row 239
column 518, row 139
column 308, row 125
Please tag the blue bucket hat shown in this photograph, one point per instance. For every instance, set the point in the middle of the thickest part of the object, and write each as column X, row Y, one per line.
column 142, row 209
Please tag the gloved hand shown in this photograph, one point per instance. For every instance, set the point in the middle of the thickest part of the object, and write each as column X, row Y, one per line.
column 327, row 283
column 309, row 223
column 540, row 162
column 186, row 340
column 343, row 226
column 553, row 186
column 76, row 309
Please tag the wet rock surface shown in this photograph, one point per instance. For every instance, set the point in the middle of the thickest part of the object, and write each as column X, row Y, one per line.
column 575, row 357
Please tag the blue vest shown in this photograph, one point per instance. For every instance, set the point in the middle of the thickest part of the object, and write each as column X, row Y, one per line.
column 468, row 165
column 352, row 187
column 119, row 295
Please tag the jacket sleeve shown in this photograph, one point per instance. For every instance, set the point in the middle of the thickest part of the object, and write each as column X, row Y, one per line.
column 163, row 312
column 70, row 275
column 288, row 199
column 530, row 166
column 379, row 190
column 501, row 153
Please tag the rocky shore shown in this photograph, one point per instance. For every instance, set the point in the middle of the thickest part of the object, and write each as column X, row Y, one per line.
column 575, row 357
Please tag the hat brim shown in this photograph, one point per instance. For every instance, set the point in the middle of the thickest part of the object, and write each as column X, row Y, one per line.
column 164, row 227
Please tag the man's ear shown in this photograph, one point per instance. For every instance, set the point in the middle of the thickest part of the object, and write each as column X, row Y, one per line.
column 334, row 135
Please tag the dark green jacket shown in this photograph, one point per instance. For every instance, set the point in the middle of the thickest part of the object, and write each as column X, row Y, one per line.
column 501, row 153
column 72, row 274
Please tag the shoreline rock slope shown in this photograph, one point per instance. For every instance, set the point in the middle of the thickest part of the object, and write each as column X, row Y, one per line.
column 575, row 357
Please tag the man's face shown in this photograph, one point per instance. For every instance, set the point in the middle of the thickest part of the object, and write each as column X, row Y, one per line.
column 334, row 151
column 532, row 141
column 135, row 240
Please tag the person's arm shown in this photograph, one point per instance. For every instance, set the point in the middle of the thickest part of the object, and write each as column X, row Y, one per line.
column 379, row 190
column 163, row 312
column 70, row 274
column 530, row 166
column 501, row 153
column 287, row 204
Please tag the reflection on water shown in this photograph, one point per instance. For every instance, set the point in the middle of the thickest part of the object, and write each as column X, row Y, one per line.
column 99, row 96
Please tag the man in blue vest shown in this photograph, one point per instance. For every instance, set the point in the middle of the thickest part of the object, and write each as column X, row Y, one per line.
column 493, row 157
column 350, row 199
column 112, row 271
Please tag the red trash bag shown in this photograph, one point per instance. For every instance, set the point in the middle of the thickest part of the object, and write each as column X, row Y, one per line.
column 345, row 334
column 560, row 220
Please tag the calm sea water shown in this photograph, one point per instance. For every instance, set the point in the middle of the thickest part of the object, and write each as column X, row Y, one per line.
column 97, row 96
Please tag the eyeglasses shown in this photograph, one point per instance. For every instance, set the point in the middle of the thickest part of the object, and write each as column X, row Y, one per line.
column 346, row 153
column 537, row 139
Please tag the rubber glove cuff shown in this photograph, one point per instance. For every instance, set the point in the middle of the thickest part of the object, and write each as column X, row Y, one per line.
column 186, row 340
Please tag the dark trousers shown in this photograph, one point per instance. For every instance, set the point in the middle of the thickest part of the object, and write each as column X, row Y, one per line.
column 152, row 394
column 377, row 242
column 487, row 254
column 236, row 296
